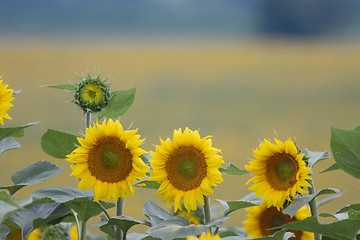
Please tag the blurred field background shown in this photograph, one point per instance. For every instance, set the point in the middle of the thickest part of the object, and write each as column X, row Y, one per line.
column 225, row 68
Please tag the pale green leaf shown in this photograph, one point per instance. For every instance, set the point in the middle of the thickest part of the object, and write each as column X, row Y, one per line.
column 298, row 202
column 233, row 170
column 124, row 222
column 36, row 215
column 58, row 144
column 8, row 143
column 345, row 145
column 61, row 194
column 119, row 104
column 315, row 157
column 35, row 173
column 67, row 87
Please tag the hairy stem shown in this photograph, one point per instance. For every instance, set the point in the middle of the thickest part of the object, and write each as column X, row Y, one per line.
column 207, row 216
column 119, row 212
column 88, row 116
column 313, row 207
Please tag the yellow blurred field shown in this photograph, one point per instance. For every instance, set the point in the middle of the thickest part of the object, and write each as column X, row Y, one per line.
column 239, row 91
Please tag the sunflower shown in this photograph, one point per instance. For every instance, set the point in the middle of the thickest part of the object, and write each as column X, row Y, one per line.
column 74, row 232
column 15, row 234
column 108, row 160
column 280, row 172
column 206, row 236
column 187, row 168
column 5, row 101
column 261, row 219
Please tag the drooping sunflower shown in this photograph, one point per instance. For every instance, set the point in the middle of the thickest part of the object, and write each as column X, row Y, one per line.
column 108, row 160
column 187, row 168
column 6, row 97
column 280, row 172
column 205, row 236
column 261, row 219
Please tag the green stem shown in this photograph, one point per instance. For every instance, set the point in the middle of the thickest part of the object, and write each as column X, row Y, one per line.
column 83, row 230
column 207, row 216
column 77, row 222
column 88, row 116
column 313, row 207
column 119, row 212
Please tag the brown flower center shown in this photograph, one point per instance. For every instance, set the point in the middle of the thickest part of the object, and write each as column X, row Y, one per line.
column 272, row 218
column 186, row 168
column 281, row 171
column 109, row 160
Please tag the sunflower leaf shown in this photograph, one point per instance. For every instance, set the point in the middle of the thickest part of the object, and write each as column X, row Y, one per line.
column 60, row 194
column 231, row 206
column 8, row 143
column 354, row 207
column 171, row 230
column 67, row 87
column 345, row 229
column 58, row 144
column 119, row 104
column 345, row 145
column 4, row 231
column 156, row 214
column 36, row 215
column 331, row 168
column 80, row 201
column 35, row 173
column 232, row 170
column 143, row 183
column 315, row 157
column 298, row 202
column 15, row 131
column 124, row 222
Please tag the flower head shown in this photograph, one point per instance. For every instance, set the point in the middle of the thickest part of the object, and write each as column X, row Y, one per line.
column 206, row 236
column 187, row 168
column 280, row 172
column 261, row 219
column 108, row 160
column 6, row 97
column 92, row 94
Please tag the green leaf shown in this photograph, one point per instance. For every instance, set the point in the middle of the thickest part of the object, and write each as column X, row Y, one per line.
column 8, row 143
column 345, row 145
column 233, row 170
column 339, row 216
column 315, row 157
column 298, row 202
column 5, row 209
column 34, row 174
column 231, row 206
column 344, row 230
column 5, row 197
column 86, row 208
column 58, row 144
column 68, row 87
column 124, row 222
column 331, row 168
column 119, row 104
column 37, row 215
column 355, row 207
column 14, row 131
column 143, row 183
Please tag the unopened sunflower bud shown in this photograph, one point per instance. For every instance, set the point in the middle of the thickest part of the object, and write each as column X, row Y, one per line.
column 92, row 94
column 55, row 232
